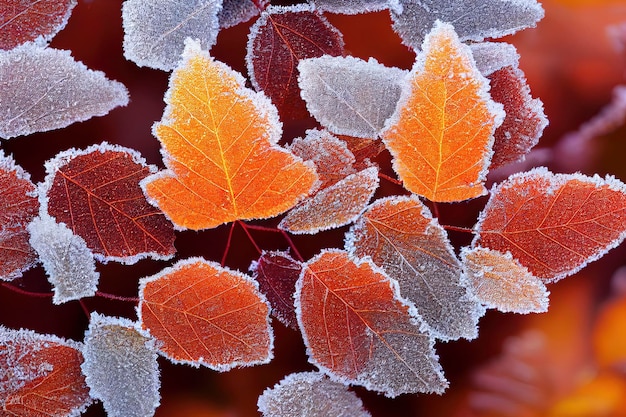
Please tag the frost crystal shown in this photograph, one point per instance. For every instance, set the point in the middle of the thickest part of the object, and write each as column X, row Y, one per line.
column 492, row 56
column 350, row 7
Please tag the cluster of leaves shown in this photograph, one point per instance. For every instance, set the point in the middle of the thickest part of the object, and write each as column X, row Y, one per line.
column 370, row 312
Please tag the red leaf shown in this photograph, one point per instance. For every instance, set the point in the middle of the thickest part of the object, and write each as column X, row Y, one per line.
column 554, row 224
column 26, row 20
column 40, row 375
column 357, row 329
column 96, row 193
column 204, row 314
column 17, row 208
column 278, row 40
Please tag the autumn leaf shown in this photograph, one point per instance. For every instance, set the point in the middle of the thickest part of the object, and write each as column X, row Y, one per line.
column 219, row 144
column 96, row 193
column 493, row 56
column 23, row 21
column 350, row 7
column 358, row 330
column 204, row 314
column 442, row 132
column 553, row 224
column 40, row 375
column 234, row 12
column 18, row 206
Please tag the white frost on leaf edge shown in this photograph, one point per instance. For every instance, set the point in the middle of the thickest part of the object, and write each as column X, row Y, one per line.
column 351, row 9
column 492, row 56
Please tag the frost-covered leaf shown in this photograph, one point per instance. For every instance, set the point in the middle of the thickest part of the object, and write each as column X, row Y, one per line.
column 121, row 367
column 350, row 7
column 553, row 224
column 401, row 237
column 350, row 96
column 43, row 89
column 40, row 375
column 23, row 21
column 69, row 263
column 203, row 314
column 492, row 56
column 18, row 206
column 442, row 132
column 310, row 394
column 501, row 282
column 155, row 30
column 238, row 11
column 358, row 330
column 280, row 38
column 473, row 20
column 96, row 193
column 223, row 164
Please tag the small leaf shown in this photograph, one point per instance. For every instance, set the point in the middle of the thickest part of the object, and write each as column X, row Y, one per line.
column 442, row 132
column 609, row 338
column 358, row 330
column 18, row 207
column 278, row 40
column 553, row 224
column 350, row 7
column 219, row 143
column 40, row 375
column 204, row 314
column 310, row 394
column 121, row 367
column 96, row 193
column 493, row 56
column 239, row 11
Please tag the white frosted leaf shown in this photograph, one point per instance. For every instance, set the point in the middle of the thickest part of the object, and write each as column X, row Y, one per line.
column 69, row 263
column 472, row 20
column 492, row 56
column 350, row 96
column 310, row 394
column 238, row 11
column 43, row 89
column 155, row 30
column 351, row 6
column 121, row 367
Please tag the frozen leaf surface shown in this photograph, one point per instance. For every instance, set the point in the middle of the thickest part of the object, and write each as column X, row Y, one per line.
column 473, row 20
column 442, row 132
column 501, row 282
column 350, row 96
column 220, row 146
column 238, row 11
column 155, row 30
column 350, row 7
column 96, row 193
column 204, row 314
column 492, row 56
column 23, row 21
column 69, row 263
column 402, row 238
column 40, row 375
column 43, row 89
column 18, row 207
column 121, row 367
column 358, row 330
column 280, row 38
column 310, row 394
column 553, row 224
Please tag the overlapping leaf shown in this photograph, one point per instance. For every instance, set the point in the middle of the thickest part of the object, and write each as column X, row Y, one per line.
column 554, row 224
column 203, row 314
column 219, row 143
column 492, row 56
column 351, row 6
column 442, row 132
column 234, row 12
column 358, row 330
column 96, row 193
column 400, row 236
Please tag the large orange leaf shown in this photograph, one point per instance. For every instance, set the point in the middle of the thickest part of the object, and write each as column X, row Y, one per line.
column 203, row 314
column 554, row 224
column 358, row 329
column 442, row 132
column 219, row 143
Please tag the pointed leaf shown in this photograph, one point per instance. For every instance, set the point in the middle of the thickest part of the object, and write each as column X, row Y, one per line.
column 40, row 375
column 96, row 193
column 359, row 331
column 442, row 132
column 278, row 40
column 219, row 143
column 238, row 11
column 401, row 237
column 204, row 314
column 22, row 21
column 554, row 224
column 18, row 207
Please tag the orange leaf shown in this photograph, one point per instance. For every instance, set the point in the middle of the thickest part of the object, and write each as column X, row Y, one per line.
column 603, row 395
column 204, row 314
column 442, row 132
column 219, row 143
column 609, row 337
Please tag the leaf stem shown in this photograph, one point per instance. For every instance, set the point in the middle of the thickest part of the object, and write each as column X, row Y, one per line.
column 292, row 246
column 117, row 297
column 228, row 242
column 250, row 238
column 458, row 229
column 390, row 179
column 26, row 292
